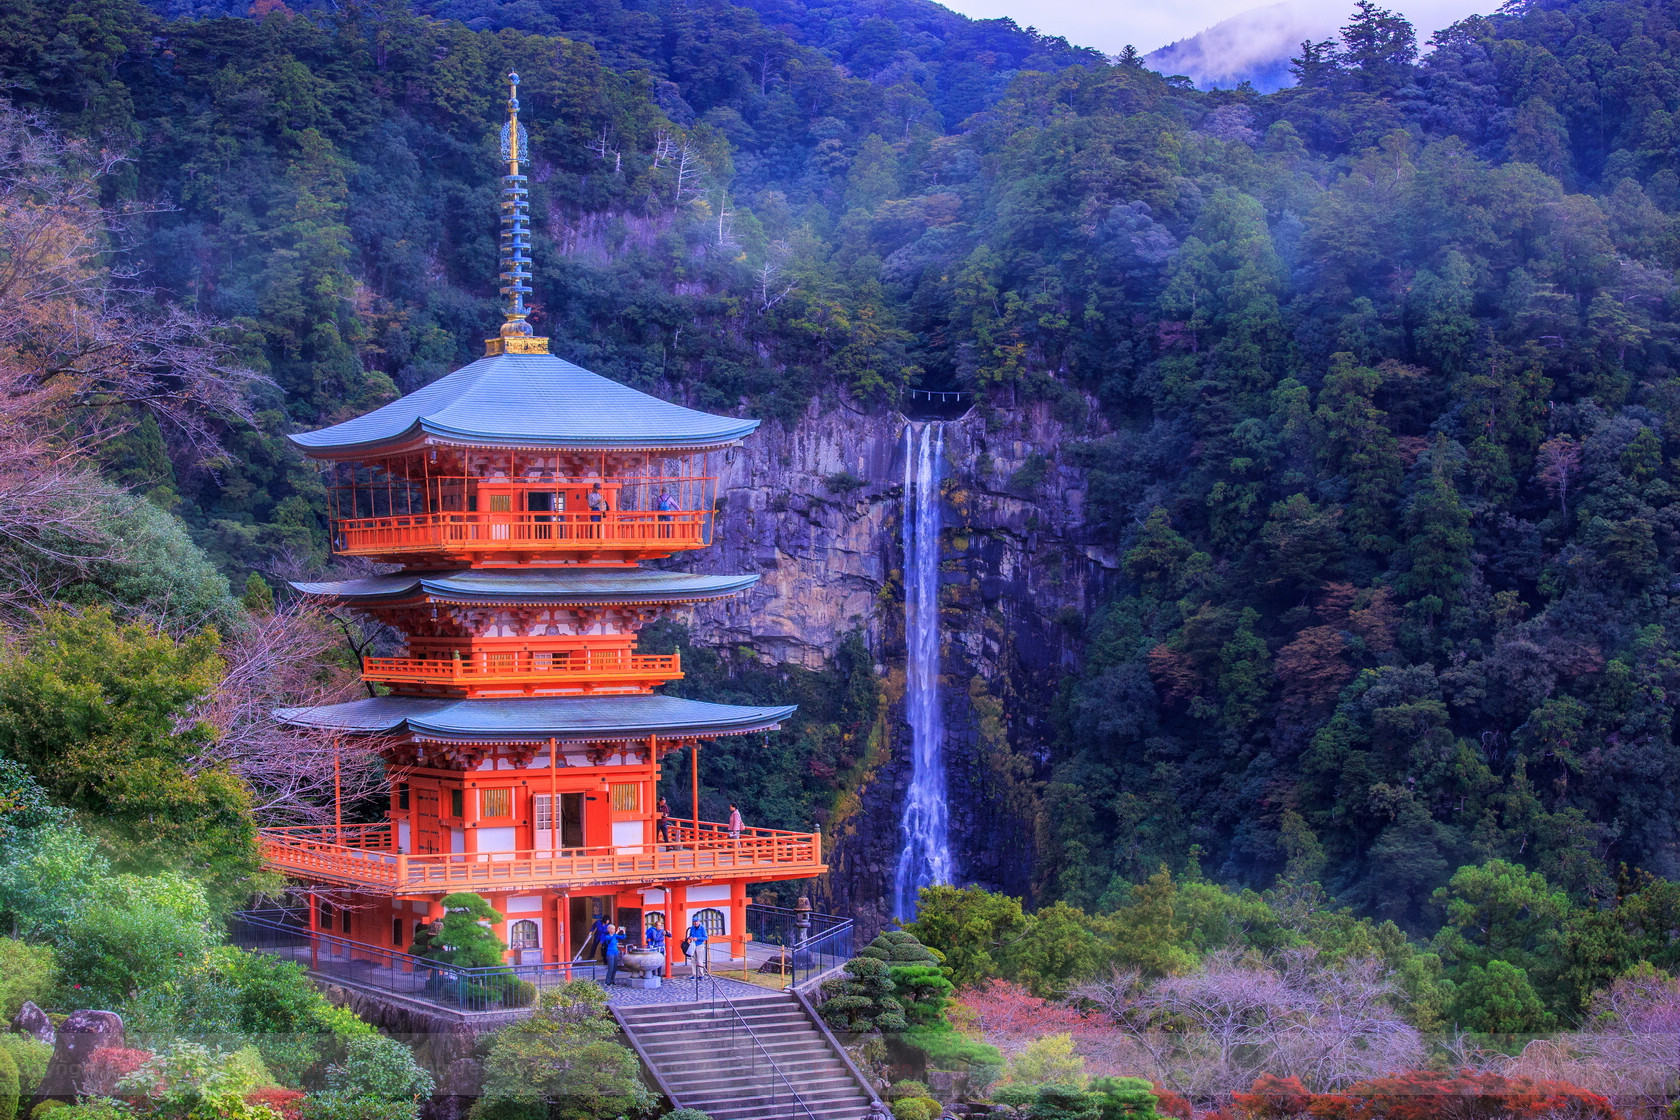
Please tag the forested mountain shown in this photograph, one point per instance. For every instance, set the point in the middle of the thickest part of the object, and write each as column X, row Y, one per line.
column 1378, row 370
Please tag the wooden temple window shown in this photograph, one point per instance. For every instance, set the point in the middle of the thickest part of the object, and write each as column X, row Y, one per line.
column 496, row 803
column 402, row 795
column 457, row 803
column 626, row 797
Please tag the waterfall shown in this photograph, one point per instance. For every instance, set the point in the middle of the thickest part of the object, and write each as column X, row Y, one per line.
column 925, row 856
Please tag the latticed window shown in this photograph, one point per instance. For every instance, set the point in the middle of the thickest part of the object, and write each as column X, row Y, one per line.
column 522, row 934
column 497, row 802
column 501, row 503
column 711, row 920
column 626, row 797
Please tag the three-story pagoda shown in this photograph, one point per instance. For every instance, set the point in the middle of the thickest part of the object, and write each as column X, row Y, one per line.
column 522, row 730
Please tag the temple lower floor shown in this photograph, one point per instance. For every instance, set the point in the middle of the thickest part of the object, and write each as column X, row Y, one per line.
column 544, row 926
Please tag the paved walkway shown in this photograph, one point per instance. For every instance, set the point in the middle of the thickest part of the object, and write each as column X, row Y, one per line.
column 376, row 978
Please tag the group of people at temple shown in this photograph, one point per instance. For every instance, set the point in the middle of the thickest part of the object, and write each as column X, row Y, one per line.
column 611, row 940
column 608, row 943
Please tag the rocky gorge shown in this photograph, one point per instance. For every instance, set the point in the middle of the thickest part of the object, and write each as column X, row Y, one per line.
column 815, row 509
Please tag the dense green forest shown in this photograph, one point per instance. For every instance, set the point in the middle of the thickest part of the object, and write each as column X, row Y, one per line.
column 1375, row 375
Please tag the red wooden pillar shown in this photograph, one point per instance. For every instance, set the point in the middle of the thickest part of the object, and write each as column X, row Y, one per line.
column 676, row 923
column 314, row 928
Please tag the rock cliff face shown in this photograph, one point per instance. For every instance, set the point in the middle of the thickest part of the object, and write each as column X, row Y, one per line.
column 815, row 509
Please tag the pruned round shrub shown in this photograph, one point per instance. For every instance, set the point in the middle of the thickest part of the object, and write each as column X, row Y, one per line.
column 916, row 1108
column 31, row 1056
column 8, row 1087
column 902, row 1089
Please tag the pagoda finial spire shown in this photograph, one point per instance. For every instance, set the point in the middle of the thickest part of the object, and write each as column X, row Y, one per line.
column 516, row 336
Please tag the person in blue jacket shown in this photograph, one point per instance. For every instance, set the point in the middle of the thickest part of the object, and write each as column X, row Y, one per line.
column 613, row 944
column 598, row 932
column 699, row 953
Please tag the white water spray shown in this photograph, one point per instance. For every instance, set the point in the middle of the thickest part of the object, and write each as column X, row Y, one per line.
column 925, row 856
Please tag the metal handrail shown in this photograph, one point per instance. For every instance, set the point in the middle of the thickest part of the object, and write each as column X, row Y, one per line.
column 743, row 1024
column 403, row 964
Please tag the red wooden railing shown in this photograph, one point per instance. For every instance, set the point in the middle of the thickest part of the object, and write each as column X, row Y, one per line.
column 524, row 532
column 369, row 859
column 561, row 668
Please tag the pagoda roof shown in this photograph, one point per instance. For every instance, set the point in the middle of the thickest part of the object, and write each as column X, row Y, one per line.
column 589, row 719
column 586, row 586
column 528, row 401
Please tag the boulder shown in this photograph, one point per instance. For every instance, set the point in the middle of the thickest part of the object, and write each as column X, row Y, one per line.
column 32, row 1021
column 80, row 1035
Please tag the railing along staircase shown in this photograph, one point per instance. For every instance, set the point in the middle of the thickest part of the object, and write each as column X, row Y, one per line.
column 754, row 1057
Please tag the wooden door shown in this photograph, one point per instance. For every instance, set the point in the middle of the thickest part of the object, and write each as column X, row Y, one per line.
column 427, row 837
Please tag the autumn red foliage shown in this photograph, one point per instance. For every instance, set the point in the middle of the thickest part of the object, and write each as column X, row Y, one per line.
column 1169, row 1103
column 288, row 1103
column 1005, row 1012
column 109, row 1065
column 1424, row 1095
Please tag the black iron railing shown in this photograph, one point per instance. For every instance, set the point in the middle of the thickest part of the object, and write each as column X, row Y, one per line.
column 286, row 933
column 809, row 944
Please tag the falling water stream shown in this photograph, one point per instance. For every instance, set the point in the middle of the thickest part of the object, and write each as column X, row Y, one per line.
column 925, row 856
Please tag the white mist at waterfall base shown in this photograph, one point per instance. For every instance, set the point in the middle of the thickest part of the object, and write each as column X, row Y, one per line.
column 924, row 857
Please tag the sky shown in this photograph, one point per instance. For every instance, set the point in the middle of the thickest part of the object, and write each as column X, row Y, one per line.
column 1109, row 26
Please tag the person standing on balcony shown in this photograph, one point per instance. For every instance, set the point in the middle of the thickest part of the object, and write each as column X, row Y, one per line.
column 662, row 821
column 735, row 824
column 666, row 505
column 597, row 504
column 699, row 952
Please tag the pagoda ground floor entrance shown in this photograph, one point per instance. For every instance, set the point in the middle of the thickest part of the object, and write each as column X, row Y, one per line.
column 777, row 948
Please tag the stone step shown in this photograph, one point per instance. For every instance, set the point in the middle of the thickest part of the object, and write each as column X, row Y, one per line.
column 733, row 1087
column 816, row 1101
column 678, row 1017
column 692, row 1051
column 767, row 1109
column 702, row 1043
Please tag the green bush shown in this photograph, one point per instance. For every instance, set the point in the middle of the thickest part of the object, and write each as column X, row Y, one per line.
column 903, row 1089
column 94, row 1108
column 9, row 1090
column 376, row 1066
column 27, row 972
column 192, row 1082
column 686, row 1114
column 947, row 1049
column 31, row 1057
column 140, row 932
column 1125, row 1098
column 916, row 1108
column 514, row 992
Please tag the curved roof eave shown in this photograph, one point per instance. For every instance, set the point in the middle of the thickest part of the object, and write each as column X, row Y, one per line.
column 566, row 719
column 539, row 401
column 535, row 587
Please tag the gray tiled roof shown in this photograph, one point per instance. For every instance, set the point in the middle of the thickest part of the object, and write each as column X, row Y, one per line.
column 531, row 400
column 573, row 585
column 569, row 719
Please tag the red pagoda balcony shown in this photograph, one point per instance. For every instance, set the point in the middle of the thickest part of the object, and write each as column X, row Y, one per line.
column 521, row 536
column 365, row 856
column 579, row 672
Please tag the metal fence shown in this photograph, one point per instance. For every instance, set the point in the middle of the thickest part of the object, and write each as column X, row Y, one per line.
column 285, row 933
column 810, row 943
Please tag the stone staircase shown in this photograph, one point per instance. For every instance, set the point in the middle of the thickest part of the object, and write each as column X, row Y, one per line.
column 757, row 1057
